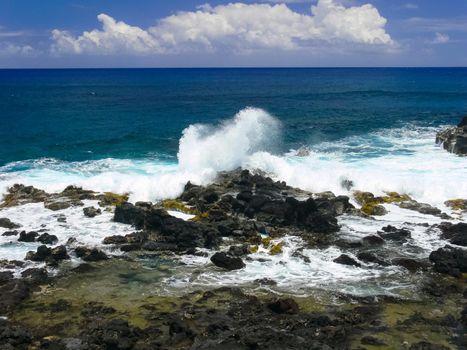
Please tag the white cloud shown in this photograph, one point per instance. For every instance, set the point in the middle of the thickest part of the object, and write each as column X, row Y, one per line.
column 439, row 39
column 235, row 27
column 411, row 6
column 9, row 49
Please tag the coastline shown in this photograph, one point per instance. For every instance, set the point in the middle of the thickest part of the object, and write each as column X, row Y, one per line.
column 257, row 225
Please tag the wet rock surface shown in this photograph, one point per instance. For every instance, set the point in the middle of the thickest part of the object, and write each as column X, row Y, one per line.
column 454, row 140
column 52, row 304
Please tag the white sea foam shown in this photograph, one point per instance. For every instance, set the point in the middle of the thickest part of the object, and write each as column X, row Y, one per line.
column 35, row 217
column 405, row 160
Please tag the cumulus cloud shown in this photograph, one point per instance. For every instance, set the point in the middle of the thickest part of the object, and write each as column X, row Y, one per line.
column 439, row 39
column 234, row 27
column 10, row 49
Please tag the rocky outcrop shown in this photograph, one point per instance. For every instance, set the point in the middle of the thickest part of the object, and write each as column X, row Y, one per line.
column 454, row 140
column 450, row 260
column 454, row 233
column 226, row 261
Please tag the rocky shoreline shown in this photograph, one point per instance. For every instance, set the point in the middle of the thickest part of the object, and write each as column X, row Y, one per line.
column 454, row 140
column 66, row 295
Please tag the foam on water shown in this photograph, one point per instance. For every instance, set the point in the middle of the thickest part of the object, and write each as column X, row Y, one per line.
column 35, row 217
column 405, row 160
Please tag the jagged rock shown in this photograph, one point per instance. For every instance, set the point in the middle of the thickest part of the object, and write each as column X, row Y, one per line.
column 449, row 260
column 128, row 213
column 221, row 259
column 284, row 306
column 57, row 205
column 91, row 212
column 13, row 337
column 90, row 254
column 27, row 236
column 421, row 208
column 20, row 194
column 35, row 275
column 344, row 259
column 115, row 240
column 51, row 255
column 395, row 234
column 455, row 233
column 454, row 140
column 6, row 223
column 45, row 238
column 10, row 233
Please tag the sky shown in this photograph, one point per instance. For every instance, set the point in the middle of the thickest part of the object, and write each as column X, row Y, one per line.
column 246, row 33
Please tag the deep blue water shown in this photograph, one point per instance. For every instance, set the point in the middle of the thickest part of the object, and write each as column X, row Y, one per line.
column 137, row 113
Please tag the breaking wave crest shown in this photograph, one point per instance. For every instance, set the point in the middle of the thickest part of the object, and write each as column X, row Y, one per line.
column 403, row 160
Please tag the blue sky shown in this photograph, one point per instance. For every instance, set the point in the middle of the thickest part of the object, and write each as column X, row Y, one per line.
column 187, row 33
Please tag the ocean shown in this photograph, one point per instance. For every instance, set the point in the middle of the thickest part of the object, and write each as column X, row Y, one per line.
column 149, row 131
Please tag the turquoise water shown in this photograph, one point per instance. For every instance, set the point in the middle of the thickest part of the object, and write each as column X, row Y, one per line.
column 121, row 129
column 93, row 114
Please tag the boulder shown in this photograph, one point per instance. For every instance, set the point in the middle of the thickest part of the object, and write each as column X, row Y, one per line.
column 128, row 213
column 449, row 260
column 91, row 212
column 222, row 259
column 27, row 236
column 344, row 259
column 7, row 223
column 372, row 240
column 45, row 238
column 454, row 233
column 51, row 255
column 454, row 140
column 90, row 254
column 392, row 233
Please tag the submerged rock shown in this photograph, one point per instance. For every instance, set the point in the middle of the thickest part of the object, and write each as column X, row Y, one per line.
column 221, row 259
column 454, row 140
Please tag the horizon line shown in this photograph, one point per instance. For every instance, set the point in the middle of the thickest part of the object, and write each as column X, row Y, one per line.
column 236, row 67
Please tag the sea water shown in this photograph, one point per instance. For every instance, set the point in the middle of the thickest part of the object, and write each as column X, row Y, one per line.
column 148, row 132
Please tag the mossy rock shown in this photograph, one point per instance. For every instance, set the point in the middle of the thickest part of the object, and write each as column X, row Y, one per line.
column 174, row 204
column 373, row 209
column 276, row 249
column 253, row 249
column 112, row 199
column 456, row 204
column 200, row 217
column 394, row 197
column 266, row 242
column 364, row 197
